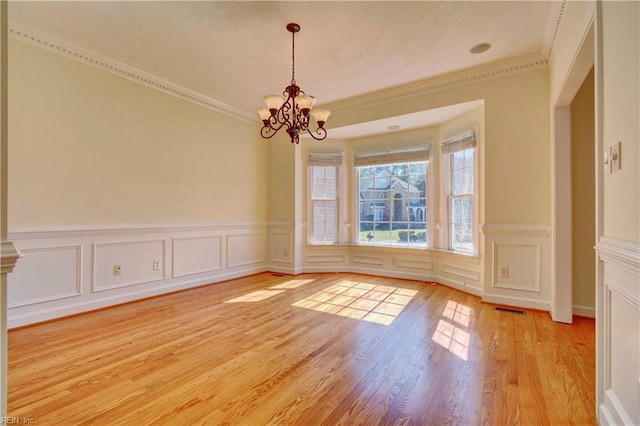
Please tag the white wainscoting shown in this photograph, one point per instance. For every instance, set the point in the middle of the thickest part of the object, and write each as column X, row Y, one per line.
column 136, row 261
column 28, row 286
column 517, row 265
column 65, row 271
column 619, row 316
column 196, row 255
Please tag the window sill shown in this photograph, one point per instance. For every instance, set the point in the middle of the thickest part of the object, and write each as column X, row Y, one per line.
column 388, row 247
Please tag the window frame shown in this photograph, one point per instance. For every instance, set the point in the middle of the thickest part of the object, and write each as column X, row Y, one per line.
column 459, row 143
column 405, row 153
column 329, row 160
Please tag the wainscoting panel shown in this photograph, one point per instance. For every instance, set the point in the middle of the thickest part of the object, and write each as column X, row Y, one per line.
column 367, row 260
column 280, row 247
column 619, row 314
column 65, row 271
column 196, row 255
column 63, row 280
column 421, row 263
column 325, row 258
column 517, row 265
column 245, row 249
column 135, row 260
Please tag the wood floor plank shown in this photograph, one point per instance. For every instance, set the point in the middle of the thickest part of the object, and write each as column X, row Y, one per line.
column 315, row 349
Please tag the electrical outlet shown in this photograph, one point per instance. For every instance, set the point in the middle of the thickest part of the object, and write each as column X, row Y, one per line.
column 156, row 265
column 117, row 270
column 504, row 272
column 286, row 253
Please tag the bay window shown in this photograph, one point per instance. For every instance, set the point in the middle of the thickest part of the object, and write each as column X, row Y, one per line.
column 392, row 197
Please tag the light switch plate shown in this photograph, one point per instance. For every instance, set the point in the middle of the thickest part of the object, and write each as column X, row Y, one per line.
column 607, row 161
column 616, row 157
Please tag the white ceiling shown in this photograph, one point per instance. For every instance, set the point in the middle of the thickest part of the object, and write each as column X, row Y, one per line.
column 236, row 52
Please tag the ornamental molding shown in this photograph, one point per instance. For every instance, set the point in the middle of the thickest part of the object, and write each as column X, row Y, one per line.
column 623, row 253
column 121, row 69
column 510, row 228
column 9, row 255
column 447, row 81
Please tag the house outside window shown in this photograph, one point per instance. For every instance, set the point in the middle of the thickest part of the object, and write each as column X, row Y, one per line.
column 459, row 156
column 392, row 189
column 323, row 190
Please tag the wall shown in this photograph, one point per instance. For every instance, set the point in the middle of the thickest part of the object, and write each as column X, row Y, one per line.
column 108, row 172
column 88, row 147
column 618, row 214
column 583, row 198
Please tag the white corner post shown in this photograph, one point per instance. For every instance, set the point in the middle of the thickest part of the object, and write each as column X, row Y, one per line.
column 8, row 254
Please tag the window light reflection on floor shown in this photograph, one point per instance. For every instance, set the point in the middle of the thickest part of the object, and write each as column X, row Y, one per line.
column 457, row 313
column 292, row 284
column 255, row 296
column 359, row 300
column 450, row 336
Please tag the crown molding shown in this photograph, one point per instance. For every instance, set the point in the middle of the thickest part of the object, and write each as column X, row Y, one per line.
column 447, row 81
column 33, row 37
column 556, row 29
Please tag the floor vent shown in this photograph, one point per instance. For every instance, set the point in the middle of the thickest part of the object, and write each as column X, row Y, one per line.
column 277, row 275
column 513, row 311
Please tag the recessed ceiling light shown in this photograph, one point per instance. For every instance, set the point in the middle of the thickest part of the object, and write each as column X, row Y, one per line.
column 480, row 48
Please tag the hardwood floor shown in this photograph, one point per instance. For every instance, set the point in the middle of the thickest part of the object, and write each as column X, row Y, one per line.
column 295, row 357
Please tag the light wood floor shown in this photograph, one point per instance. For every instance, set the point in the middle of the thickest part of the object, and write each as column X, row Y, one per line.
column 420, row 354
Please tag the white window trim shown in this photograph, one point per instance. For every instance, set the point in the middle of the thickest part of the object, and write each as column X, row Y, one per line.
column 324, row 159
column 445, row 208
column 430, row 199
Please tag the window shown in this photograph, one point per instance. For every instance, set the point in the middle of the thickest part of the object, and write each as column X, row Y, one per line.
column 459, row 155
column 392, row 189
column 323, row 177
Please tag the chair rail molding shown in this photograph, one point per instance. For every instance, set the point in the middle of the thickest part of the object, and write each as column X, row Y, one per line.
column 9, row 256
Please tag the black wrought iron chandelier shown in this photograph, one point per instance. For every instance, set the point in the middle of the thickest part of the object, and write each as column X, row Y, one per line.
column 293, row 112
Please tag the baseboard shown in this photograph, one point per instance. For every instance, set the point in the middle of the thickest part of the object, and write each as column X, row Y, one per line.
column 42, row 315
column 584, row 311
column 516, row 301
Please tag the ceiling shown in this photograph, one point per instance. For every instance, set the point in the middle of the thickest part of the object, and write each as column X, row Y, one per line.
column 237, row 52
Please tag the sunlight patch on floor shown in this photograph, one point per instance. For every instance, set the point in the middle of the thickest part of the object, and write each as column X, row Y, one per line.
column 457, row 313
column 450, row 336
column 292, row 284
column 255, row 296
column 380, row 304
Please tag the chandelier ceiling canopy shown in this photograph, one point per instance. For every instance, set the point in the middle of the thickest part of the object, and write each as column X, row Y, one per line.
column 293, row 110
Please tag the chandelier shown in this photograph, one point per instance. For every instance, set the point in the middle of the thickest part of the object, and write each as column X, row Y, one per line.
column 292, row 112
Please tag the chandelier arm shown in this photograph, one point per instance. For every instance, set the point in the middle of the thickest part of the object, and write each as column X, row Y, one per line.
column 267, row 132
column 320, row 131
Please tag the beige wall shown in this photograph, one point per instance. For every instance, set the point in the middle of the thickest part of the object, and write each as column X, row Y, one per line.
column 90, row 148
column 583, row 194
column 517, row 147
column 621, row 87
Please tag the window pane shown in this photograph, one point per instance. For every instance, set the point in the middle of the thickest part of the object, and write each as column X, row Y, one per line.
column 458, row 159
column 458, row 181
column 324, row 205
column 392, row 204
column 468, row 157
column 468, row 181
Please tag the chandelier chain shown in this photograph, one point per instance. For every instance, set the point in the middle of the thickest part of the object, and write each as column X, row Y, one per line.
column 293, row 58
